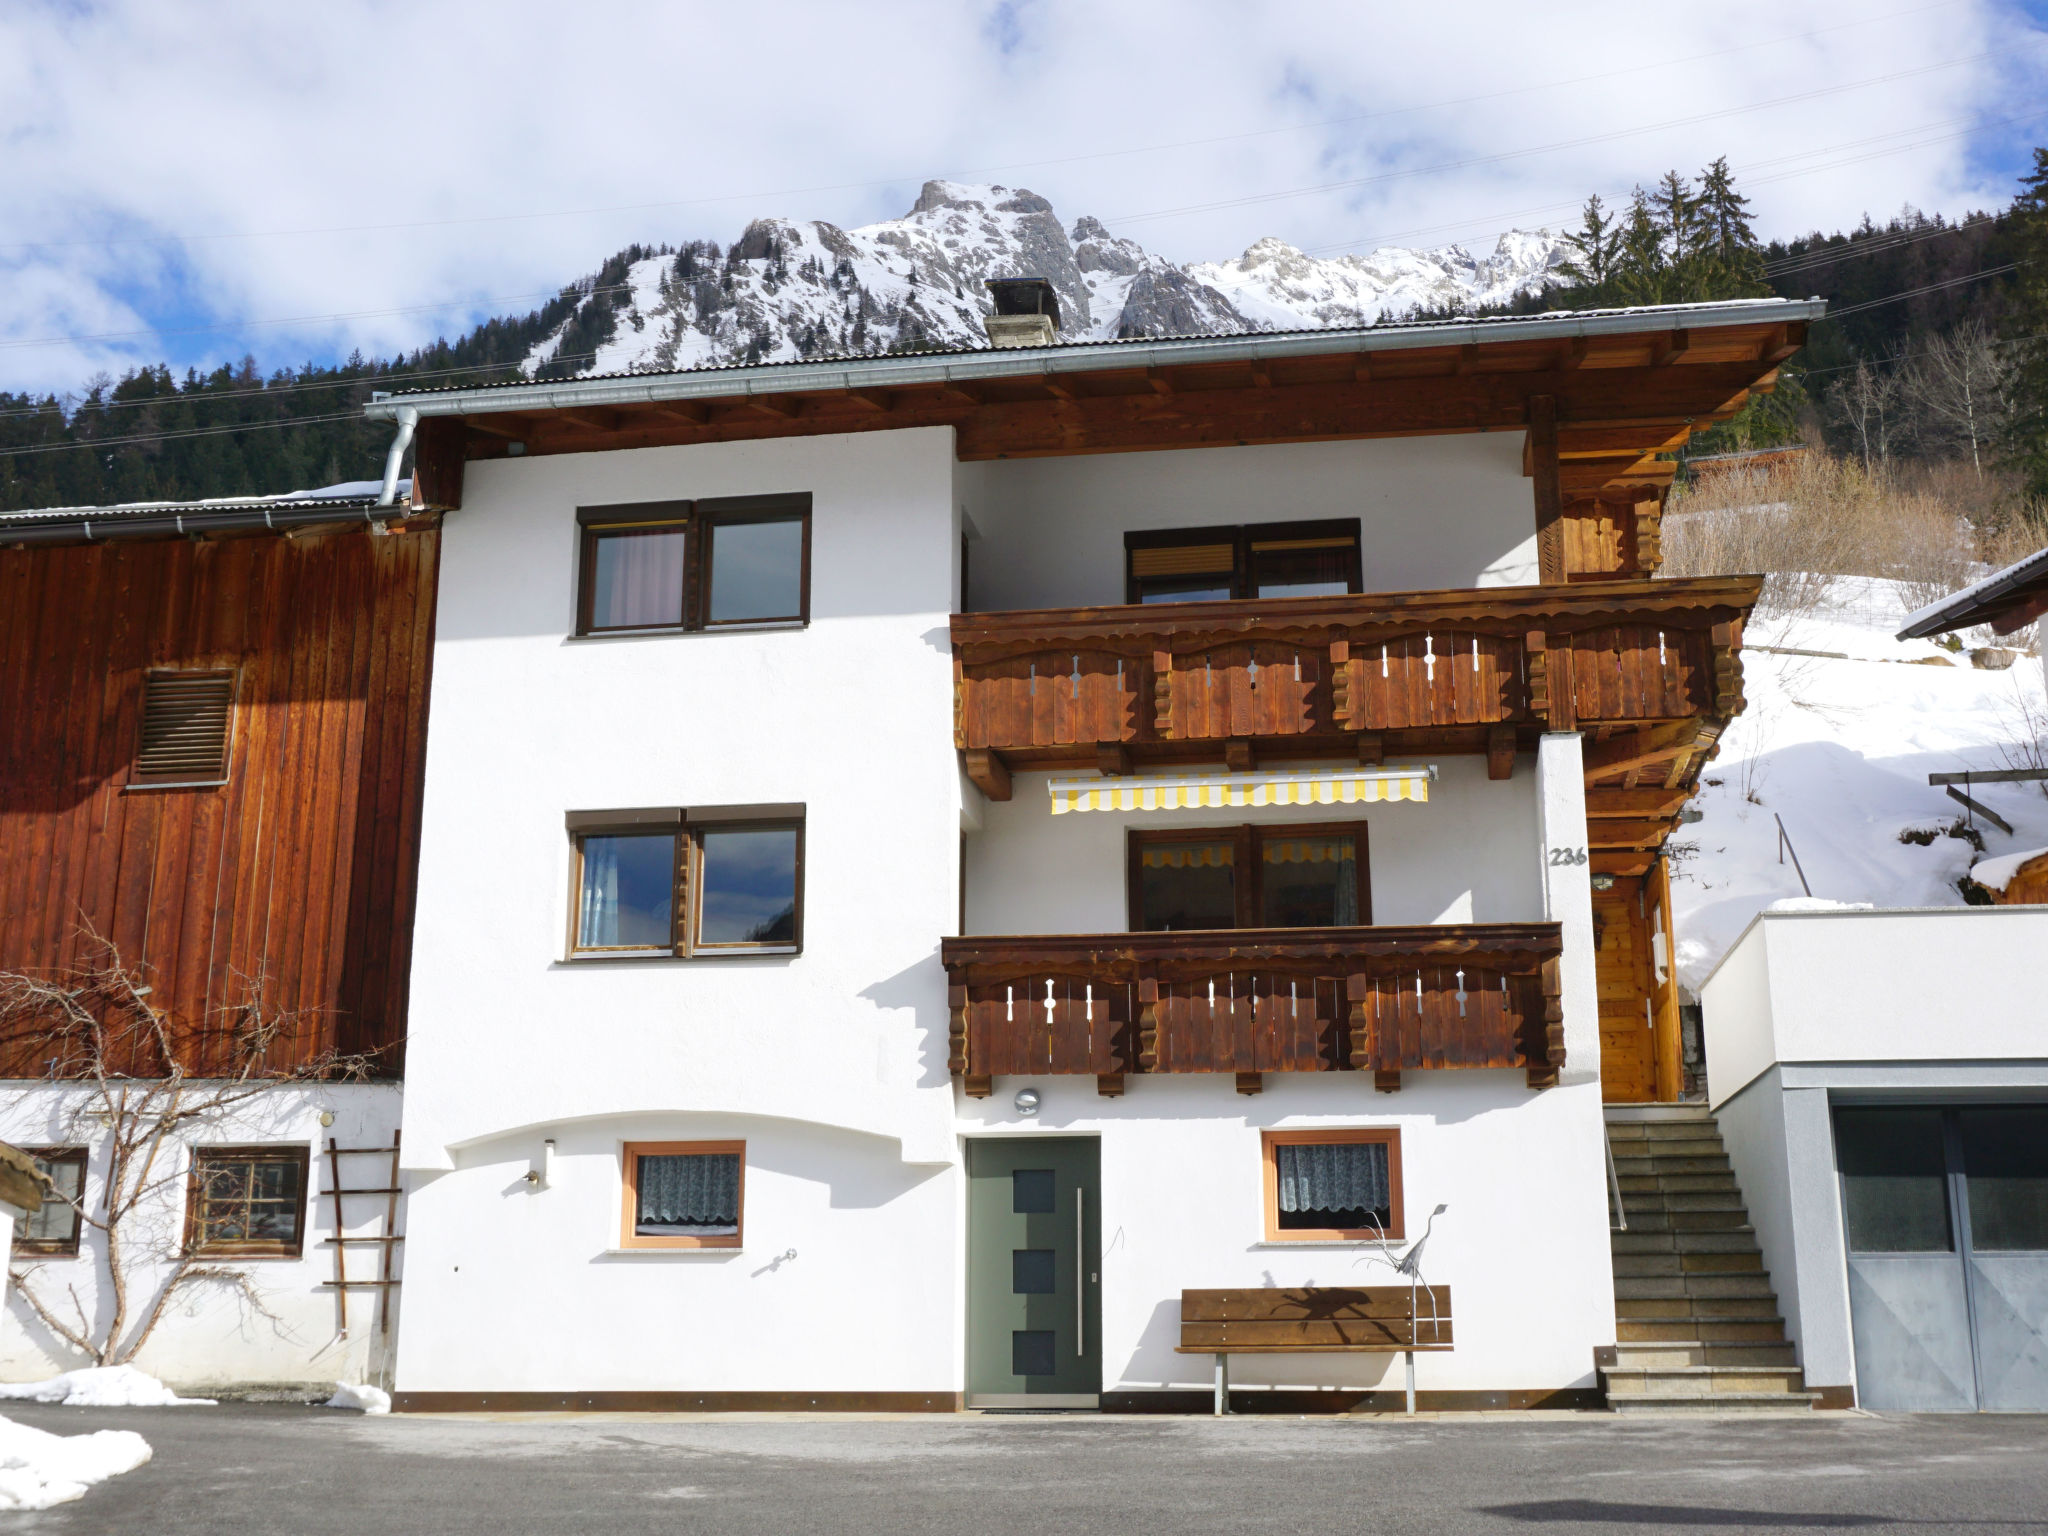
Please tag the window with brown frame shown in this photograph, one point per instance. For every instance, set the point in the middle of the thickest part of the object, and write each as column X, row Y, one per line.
column 1301, row 875
column 735, row 562
column 1332, row 1185
column 687, row 883
column 247, row 1202
column 53, row 1230
column 1189, row 565
column 186, row 728
column 683, row 1194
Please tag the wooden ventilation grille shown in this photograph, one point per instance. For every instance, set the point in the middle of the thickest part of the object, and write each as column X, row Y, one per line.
column 185, row 721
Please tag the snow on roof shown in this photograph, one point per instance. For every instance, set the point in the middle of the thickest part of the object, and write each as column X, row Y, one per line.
column 1959, row 610
column 349, row 493
column 1996, row 874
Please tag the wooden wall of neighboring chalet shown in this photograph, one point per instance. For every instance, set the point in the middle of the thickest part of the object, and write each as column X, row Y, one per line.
column 300, row 870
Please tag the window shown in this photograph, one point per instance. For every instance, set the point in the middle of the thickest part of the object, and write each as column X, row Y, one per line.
column 1894, row 1180
column 247, row 1202
column 684, row 1194
column 669, row 565
column 2005, row 1164
column 688, row 883
column 187, row 720
column 1332, row 1185
column 1305, row 876
column 54, row 1228
column 1187, row 565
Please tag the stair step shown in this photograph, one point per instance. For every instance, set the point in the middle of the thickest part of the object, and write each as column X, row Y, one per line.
column 1637, row 1354
column 1705, row 1330
column 1659, row 1219
column 1733, row 1240
column 1700, row 1380
column 1668, row 1163
column 1694, row 1287
column 1673, row 1201
column 1762, row 1404
column 1646, row 1186
column 1655, row 1114
column 1720, row 1308
column 1688, row 1263
column 1667, row 1146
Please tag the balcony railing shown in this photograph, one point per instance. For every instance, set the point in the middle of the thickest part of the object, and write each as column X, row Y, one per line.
column 1439, row 670
column 1258, row 1000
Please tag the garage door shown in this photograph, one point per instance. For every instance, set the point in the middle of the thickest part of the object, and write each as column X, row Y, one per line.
column 1947, row 1217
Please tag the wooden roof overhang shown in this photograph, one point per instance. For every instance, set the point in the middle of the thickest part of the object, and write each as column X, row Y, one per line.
column 1610, row 389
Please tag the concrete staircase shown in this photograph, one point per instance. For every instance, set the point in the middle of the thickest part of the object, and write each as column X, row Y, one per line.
column 1695, row 1316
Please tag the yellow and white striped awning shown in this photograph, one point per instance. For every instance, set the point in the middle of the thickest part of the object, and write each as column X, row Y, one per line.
column 1218, row 791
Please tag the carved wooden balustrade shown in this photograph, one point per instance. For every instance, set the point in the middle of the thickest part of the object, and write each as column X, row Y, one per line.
column 1251, row 1001
column 1393, row 672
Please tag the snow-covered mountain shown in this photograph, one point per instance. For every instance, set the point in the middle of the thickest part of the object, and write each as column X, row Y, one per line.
column 785, row 290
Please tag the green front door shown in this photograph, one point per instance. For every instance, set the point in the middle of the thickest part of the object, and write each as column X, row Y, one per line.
column 1034, row 1266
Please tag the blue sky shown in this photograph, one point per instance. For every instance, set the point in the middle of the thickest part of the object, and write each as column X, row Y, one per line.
column 191, row 182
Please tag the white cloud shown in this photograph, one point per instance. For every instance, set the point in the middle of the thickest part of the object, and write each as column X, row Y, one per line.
column 138, row 119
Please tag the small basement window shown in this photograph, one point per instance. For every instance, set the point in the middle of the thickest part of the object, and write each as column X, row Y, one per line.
column 1187, row 565
column 725, row 881
column 53, row 1230
column 187, row 726
column 247, row 1202
column 732, row 562
column 684, row 1194
column 1332, row 1185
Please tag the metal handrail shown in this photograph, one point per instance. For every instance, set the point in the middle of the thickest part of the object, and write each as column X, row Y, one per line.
column 1620, row 1222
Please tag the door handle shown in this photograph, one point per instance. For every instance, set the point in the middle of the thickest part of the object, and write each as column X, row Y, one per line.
column 1080, row 1274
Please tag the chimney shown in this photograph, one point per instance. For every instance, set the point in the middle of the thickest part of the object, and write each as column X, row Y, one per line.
column 1027, row 312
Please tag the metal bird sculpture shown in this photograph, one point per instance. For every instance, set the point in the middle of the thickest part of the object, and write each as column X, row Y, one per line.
column 1410, row 1263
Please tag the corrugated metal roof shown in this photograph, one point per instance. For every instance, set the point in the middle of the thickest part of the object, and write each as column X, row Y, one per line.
column 1981, row 600
column 212, row 504
column 939, row 366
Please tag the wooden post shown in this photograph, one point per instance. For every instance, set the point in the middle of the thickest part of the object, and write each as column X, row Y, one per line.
column 1667, row 1043
column 1549, row 492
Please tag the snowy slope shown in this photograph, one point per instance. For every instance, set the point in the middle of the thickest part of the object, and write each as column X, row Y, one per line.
column 787, row 290
column 1841, row 750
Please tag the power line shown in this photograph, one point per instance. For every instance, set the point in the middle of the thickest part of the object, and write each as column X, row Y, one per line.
column 1914, row 293
column 1183, row 144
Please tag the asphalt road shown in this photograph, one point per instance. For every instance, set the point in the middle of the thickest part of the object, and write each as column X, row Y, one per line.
column 284, row 1471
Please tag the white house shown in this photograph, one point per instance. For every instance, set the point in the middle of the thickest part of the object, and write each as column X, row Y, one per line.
column 1881, row 1083
column 927, row 859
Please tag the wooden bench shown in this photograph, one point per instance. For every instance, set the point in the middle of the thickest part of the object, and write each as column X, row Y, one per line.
column 1318, row 1320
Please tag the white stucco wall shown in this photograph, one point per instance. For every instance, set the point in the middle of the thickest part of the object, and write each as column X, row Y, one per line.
column 1436, row 512
column 1937, row 984
column 210, row 1334
column 1467, row 855
column 1523, row 1245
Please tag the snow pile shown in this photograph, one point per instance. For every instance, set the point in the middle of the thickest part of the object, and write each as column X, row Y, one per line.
column 38, row 1469
column 102, row 1386
column 1996, row 874
column 362, row 1398
column 1840, row 749
column 787, row 290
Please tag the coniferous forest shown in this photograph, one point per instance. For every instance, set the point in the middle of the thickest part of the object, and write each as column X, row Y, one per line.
column 1936, row 348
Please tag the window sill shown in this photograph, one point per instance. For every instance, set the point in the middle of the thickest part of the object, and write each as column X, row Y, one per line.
column 587, row 957
column 136, row 789
column 1323, row 1242
column 598, row 957
column 675, row 631
column 671, row 1253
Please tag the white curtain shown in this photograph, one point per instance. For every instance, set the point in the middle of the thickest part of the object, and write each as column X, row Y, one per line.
column 1333, row 1176
column 599, row 925
column 697, row 1189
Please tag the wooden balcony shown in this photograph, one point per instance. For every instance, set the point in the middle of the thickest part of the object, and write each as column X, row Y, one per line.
column 1256, row 1000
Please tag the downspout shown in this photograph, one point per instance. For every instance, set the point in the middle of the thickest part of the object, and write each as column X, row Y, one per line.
column 408, row 418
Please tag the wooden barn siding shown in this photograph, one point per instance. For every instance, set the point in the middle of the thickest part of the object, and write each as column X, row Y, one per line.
column 300, row 870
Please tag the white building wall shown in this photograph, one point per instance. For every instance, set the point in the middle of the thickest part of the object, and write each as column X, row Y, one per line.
column 1523, row 1245
column 1436, row 512
column 210, row 1334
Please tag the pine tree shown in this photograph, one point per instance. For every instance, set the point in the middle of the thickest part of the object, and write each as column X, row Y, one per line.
column 2026, row 445
column 1678, row 215
column 1595, row 245
column 1641, row 272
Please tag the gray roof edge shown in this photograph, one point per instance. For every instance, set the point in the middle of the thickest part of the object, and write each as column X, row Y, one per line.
column 886, row 371
column 1945, row 614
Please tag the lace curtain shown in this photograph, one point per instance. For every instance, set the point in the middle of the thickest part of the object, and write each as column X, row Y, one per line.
column 1333, row 1176
column 696, row 1189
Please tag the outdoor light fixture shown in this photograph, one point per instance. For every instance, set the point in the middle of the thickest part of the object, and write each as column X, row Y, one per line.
column 1026, row 1101
column 327, row 1117
column 1603, row 882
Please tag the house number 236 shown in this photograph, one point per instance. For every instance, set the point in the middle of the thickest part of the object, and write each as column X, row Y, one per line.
column 1560, row 857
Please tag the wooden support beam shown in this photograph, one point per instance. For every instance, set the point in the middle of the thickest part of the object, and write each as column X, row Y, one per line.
column 1372, row 749
column 1251, row 1082
column 989, row 773
column 1572, row 353
column 784, row 407
column 1645, row 745
column 1617, row 804
column 1670, row 348
column 1110, row 1084
column 1157, row 378
column 1387, row 1081
column 690, row 411
column 1060, row 389
column 977, row 1087
column 596, row 420
column 1781, row 342
column 1112, row 759
column 1500, row 752
column 1626, row 834
column 1239, row 757
column 875, row 400
column 1549, row 493
column 497, row 426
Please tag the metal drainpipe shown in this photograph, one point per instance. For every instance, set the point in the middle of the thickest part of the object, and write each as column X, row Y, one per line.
column 408, row 418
